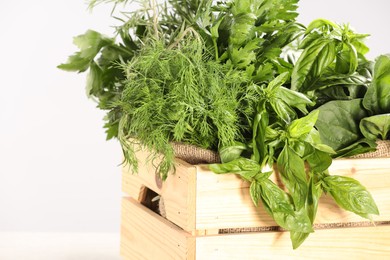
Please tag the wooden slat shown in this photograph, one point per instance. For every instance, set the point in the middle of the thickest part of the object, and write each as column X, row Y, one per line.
column 178, row 191
column 145, row 235
column 339, row 243
column 223, row 201
column 199, row 201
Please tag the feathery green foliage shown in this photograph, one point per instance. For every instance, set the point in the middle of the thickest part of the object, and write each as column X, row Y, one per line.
column 180, row 94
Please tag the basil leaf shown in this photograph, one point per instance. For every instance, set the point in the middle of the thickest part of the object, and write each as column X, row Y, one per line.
column 277, row 203
column 284, row 111
column 375, row 127
column 314, row 194
column 275, row 84
column 312, row 63
column 319, row 24
column 297, row 238
column 314, row 139
column 347, row 60
column 319, row 161
column 255, row 190
column 244, row 167
column 292, row 171
column 230, row 153
column 294, row 99
column 351, row 195
column 328, row 80
column 377, row 98
column 302, row 126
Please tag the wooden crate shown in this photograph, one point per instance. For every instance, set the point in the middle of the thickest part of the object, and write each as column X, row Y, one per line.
column 201, row 205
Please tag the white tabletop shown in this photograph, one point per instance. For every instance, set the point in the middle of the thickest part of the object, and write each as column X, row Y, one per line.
column 59, row 246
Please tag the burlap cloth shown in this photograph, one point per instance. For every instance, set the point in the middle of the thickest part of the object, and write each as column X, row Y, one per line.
column 195, row 155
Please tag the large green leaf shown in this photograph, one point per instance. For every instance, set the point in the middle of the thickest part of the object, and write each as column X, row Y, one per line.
column 377, row 98
column 244, row 167
column 277, row 203
column 292, row 171
column 89, row 44
column 351, row 195
column 303, row 125
column 312, row 63
column 338, row 122
column 376, row 127
column 294, row 99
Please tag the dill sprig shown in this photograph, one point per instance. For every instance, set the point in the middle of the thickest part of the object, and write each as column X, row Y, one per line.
column 180, row 94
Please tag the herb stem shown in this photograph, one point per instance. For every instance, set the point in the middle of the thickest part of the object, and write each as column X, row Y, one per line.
column 153, row 6
column 180, row 38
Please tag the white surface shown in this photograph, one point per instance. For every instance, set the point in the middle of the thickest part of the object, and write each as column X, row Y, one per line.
column 57, row 172
column 59, row 246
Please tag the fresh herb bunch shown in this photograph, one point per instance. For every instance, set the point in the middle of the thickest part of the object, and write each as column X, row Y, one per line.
column 178, row 93
column 245, row 79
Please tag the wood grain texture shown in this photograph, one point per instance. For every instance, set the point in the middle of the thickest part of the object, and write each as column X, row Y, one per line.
column 201, row 202
column 146, row 235
column 178, row 191
column 223, row 201
column 340, row 243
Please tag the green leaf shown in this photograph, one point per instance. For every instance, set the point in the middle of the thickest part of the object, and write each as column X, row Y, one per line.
column 314, row 194
column 294, row 99
column 297, row 238
column 292, row 171
column 255, row 190
column 347, row 60
column 320, row 24
column 334, row 79
column 314, row 139
column 303, row 125
column 319, row 161
column 351, row 195
column 284, row 111
column 312, row 63
column 360, row 146
column 277, row 203
column 338, row 122
column 377, row 98
column 244, row 167
column 242, row 28
column 260, row 124
column 233, row 152
column 242, row 57
column 376, row 127
column 94, row 79
column 89, row 44
column 275, row 84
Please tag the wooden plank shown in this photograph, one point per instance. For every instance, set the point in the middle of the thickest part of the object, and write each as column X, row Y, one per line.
column 223, row 201
column 339, row 243
column 145, row 235
column 198, row 200
column 178, row 191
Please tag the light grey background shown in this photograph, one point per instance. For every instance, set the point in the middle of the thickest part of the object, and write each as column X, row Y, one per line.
column 57, row 172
